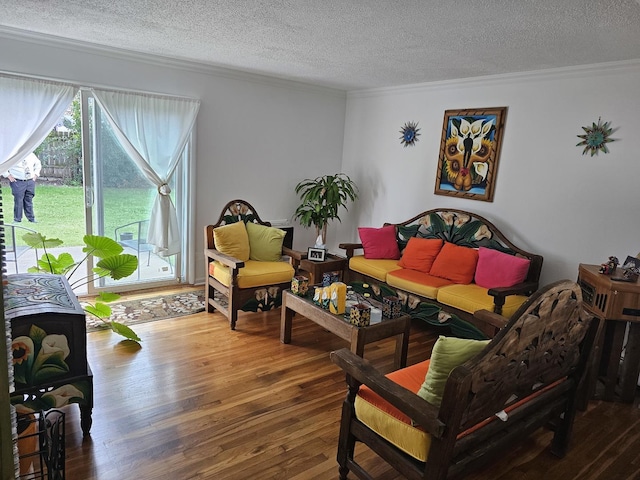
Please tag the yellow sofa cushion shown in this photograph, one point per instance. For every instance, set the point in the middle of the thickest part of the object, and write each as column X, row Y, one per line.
column 376, row 268
column 232, row 240
column 416, row 282
column 265, row 243
column 255, row 274
column 471, row 298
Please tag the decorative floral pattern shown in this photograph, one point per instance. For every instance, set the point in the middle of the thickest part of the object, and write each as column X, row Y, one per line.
column 428, row 312
column 454, row 227
column 39, row 358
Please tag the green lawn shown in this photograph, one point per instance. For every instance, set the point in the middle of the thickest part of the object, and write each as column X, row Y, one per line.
column 59, row 210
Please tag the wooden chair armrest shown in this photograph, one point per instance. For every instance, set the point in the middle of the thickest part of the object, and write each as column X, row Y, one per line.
column 349, row 248
column 213, row 254
column 491, row 318
column 519, row 289
column 295, row 254
column 418, row 409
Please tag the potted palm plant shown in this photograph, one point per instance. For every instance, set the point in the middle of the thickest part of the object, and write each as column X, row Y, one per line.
column 322, row 198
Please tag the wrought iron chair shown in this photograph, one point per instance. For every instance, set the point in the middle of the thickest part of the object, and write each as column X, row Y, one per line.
column 13, row 246
column 134, row 236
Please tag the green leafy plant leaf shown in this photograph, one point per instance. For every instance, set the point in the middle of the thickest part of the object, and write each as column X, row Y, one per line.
column 101, row 247
column 99, row 310
column 117, row 267
column 113, row 263
column 125, row 331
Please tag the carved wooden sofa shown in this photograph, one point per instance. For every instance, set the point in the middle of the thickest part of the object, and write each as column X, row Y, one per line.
column 244, row 267
column 435, row 420
column 456, row 262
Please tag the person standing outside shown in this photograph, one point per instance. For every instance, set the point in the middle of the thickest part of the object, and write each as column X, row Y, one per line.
column 22, row 179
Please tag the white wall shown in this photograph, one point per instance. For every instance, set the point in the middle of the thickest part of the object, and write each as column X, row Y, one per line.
column 257, row 137
column 548, row 198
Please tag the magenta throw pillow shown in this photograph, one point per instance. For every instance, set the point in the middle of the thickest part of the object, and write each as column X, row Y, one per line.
column 497, row 269
column 379, row 242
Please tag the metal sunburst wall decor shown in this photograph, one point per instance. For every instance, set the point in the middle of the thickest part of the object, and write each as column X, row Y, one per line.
column 410, row 133
column 595, row 138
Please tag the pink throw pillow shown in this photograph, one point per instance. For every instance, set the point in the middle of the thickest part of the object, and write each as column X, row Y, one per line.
column 379, row 242
column 498, row 269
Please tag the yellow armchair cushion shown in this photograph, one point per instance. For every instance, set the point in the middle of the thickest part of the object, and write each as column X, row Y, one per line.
column 376, row 268
column 471, row 298
column 389, row 422
column 232, row 240
column 255, row 274
column 265, row 243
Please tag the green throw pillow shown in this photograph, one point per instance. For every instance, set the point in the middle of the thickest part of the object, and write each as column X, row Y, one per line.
column 447, row 354
column 265, row 242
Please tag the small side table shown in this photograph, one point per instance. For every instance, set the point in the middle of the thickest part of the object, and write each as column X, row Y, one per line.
column 332, row 263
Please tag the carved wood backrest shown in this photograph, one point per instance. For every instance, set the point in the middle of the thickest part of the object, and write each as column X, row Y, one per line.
column 541, row 343
column 233, row 212
column 465, row 229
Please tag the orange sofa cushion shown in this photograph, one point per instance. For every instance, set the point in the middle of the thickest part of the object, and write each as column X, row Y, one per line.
column 455, row 263
column 420, row 253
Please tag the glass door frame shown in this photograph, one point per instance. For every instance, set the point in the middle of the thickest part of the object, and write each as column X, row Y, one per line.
column 94, row 207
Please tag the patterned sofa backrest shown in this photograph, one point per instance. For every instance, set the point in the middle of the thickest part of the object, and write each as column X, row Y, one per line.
column 464, row 229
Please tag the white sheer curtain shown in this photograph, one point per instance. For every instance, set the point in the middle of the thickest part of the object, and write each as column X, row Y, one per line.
column 29, row 109
column 153, row 131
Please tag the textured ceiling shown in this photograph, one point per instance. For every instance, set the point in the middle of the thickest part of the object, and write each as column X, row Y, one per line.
column 349, row 44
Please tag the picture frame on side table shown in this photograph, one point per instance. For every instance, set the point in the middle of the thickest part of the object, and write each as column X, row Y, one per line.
column 316, row 254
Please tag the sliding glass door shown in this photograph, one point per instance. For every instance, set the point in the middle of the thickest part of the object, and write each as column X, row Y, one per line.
column 118, row 202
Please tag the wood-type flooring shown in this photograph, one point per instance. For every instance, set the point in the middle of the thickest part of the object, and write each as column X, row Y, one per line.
column 199, row 401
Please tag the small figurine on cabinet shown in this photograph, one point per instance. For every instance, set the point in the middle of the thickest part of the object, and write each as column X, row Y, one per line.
column 609, row 267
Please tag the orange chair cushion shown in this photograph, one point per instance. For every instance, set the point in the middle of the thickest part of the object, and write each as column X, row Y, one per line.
column 420, row 253
column 396, row 427
column 455, row 263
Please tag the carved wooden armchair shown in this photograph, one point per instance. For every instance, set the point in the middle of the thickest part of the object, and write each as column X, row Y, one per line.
column 244, row 262
column 527, row 376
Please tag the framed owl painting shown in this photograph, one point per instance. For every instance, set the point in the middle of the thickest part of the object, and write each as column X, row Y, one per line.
column 469, row 152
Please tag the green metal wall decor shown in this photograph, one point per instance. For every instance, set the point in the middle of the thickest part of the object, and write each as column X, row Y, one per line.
column 410, row 133
column 595, row 138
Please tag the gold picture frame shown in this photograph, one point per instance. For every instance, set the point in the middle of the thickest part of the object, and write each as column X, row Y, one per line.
column 469, row 152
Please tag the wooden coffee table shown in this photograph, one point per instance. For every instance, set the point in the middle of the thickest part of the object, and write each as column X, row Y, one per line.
column 357, row 336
